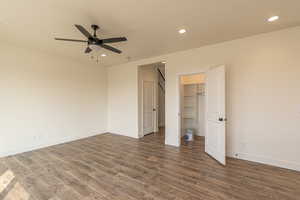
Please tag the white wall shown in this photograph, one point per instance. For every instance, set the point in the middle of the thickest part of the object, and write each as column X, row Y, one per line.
column 46, row 100
column 263, row 94
column 123, row 100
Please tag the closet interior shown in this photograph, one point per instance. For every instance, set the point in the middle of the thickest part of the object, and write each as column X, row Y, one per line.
column 192, row 89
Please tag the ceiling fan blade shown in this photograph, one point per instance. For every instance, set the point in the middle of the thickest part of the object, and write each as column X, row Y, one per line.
column 83, row 31
column 111, row 48
column 112, row 40
column 70, row 40
column 88, row 50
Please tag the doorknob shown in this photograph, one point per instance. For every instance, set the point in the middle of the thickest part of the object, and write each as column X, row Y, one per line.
column 154, row 109
column 222, row 119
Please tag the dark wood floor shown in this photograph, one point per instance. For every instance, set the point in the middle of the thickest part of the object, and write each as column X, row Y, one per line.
column 111, row 167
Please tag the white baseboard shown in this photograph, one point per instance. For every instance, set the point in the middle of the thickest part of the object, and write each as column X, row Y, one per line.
column 170, row 143
column 48, row 144
column 265, row 160
column 121, row 134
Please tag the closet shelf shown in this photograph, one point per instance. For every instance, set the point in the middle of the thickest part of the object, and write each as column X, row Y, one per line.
column 190, row 115
column 192, row 98
column 200, row 93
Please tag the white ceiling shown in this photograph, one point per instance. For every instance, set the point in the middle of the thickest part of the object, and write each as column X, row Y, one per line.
column 150, row 25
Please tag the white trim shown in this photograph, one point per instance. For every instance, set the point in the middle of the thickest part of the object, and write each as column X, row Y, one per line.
column 126, row 135
column 48, row 144
column 172, row 144
column 265, row 160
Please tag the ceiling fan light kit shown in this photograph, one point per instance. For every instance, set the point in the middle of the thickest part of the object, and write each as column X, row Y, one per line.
column 94, row 47
column 93, row 42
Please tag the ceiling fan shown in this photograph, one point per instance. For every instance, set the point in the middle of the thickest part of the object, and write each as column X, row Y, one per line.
column 94, row 41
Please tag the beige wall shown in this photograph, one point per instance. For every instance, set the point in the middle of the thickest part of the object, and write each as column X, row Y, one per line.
column 263, row 94
column 123, row 100
column 46, row 100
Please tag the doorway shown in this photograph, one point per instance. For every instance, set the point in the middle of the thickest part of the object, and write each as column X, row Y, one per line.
column 192, row 92
column 151, row 98
column 202, row 110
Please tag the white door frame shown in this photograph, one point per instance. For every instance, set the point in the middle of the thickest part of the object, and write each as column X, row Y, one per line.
column 140, row 100
column 142, row 107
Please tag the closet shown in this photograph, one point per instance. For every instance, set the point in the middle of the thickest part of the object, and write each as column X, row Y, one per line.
column 193, row 104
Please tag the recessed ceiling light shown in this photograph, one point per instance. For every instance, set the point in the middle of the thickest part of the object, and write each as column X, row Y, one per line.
column 163, row 62
column 103, row 55
column 274, row 18
column 182, row 31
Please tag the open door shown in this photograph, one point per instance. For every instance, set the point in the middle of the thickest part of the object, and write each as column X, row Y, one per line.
column 148, row 107
column 215, row 139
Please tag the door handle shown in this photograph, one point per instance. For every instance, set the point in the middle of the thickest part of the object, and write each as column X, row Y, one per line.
column 154, row 109
column 222, row 119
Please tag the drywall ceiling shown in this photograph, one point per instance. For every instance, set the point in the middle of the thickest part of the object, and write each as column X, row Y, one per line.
column 151, row 26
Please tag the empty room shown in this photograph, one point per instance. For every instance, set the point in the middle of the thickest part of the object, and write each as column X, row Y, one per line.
column 150, row 100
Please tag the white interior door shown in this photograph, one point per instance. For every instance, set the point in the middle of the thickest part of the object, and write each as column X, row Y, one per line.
column 148, row 107
column 215, row 138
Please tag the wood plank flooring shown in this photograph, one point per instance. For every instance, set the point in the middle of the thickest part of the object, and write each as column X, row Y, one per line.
column 112, row 167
